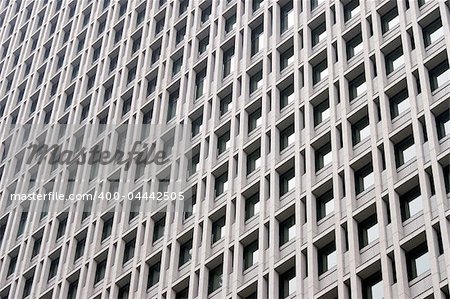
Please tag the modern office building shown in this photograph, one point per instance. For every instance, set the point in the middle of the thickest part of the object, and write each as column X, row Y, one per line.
column 310, row 141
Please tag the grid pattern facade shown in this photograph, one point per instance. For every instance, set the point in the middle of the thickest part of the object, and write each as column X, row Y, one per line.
column 315, row 148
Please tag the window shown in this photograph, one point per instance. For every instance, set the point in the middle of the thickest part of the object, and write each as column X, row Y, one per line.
column 72, row 292
column 183, row 6
column 172, row 107
column 394, row 60
column 107, row 228
column 255, row 82
column 27, row 287
column 287, row 283
column 228, row 66
column 287, row 96
column 418, row 261
column 287, row 16
column 53, row 268
column 221, row 184
column 225, row 104
column 230, row 23
column 364, row 179
column 254, row 119
column 410, row 203
column 316, row 3
column 357, row 87
column 36, row 247
column 223, row 142
column 287, row 181
column 113, row 63
column 159, row 26
column 199, row 83
column 323, row 156
column 128, row 252
column 61, row 228
column 183, row 294
column 399, row 103
column 140, row 17
column 446, row 171
column 286, row 58
column 251, row 206
column 325, row 205
column 203, row 45
column 79, row 250
column 320, row 71
column 354, row 46
column 156, row 53
column 443, row 124
column 404, row 151
column 12, row 265
column 206, row 12
column 256, row 4
column 287, row 137
column 433, row 32
column 189, row 206
column 257, row 39
column 389, row 20
column 368, row 231
column 360, row 130
column 287, row 230
column 126, row 106
column 327, row 258
column 197, row 125
column 100, row 271
column 215, row 279
column 373, row 287
column 439, row 76
column 253, row 161
column 321, row 112
column 250, row 254
column 185, row 253
column 318, row 34
column 193, row 163
column 153, row 275
column 124, row 292
column 351, row 9
column 158, row 229
column 217, row 229
column 180, row 35
column 176, row 66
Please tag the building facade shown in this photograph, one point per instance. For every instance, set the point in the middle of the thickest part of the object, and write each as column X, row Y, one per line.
column 308, row 147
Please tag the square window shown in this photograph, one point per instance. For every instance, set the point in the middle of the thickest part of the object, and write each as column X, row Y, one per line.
column 354, row 46
column 129, row 250
column 189, row 206
column 320, row 71
column 405, row 151
column 153, row 275
column 327, row 258
column 364, row 179
column 217, row 229
column 368, row 231
column 251, row 206
column 287, row 96
column 433, row 32
column 230, row 23
column 287, row 230
column 225, row 104
column 287, row 181
column 158, row 229
column 287, row 137
column 325, row 205
column 357, row 87
column 203, row 45
column 443, row 124
column 418, row 261
column 228, row 65
column 221, row 184
column 215, row 279
column 255, row 82
column 360, row 130
column 321, row 112
column 286, row 58
column 439, row 76
column 411, row 203
column 254, row 119
column 253, row 161
column 399, row 103
column 394, row 60
column 287, row 283
column 351, row 9
column 323, row 156
column 318, row 34
column 250, row 254
column 389, row 20
column 185, row 253
column 373, row 287
column 223, row 142
column 100, row 271
column 287, row 16
column 257, row 42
